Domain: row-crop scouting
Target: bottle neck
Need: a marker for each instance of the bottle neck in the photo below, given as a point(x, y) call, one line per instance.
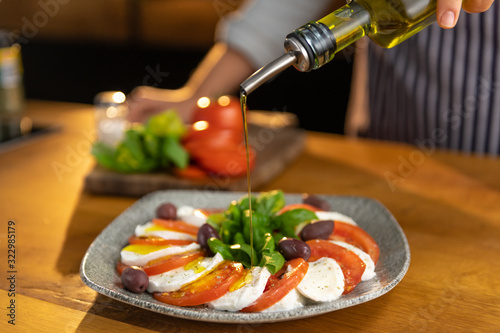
point(316, 43)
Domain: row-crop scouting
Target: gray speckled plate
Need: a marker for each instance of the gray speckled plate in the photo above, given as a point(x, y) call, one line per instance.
point(98, 265)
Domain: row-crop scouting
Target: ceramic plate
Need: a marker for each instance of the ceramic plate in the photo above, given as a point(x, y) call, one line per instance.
point(98, 266)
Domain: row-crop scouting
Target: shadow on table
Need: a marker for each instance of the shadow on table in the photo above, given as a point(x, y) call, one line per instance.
point(92, 214)
point(105, 309)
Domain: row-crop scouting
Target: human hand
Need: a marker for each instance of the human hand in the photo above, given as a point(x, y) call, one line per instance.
point(143, 102)
point(447, 11)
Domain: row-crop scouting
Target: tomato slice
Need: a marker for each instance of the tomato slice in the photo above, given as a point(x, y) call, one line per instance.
point(208, 211)
point(356, 236)
point(192, 172)
point(164, 264)
point(152, 240)
point(280, 288)
point(352, 266)
point(297, 206)
point(168, 263)
point(120, 267)
point(206, 289)
point(177, 225)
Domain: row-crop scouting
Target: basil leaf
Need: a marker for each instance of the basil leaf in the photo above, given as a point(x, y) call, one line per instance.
point(133, 142)
point(167, 123)
point(217, 246)
point(243, 203)
point(152, 144)
point(233, 212)
point(260, 224)
point(173, 151)
point(238, 238)
point(243, 253)
point(269, 244)
point(104, 154)
point(277, 236)
point(228, 229)
point(274, 261)
point(288, 221)
point(269, 203)
point(128, 159)
point(215, 220)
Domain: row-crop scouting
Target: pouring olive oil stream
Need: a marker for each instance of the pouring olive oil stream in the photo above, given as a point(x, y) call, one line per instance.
point(386, 22)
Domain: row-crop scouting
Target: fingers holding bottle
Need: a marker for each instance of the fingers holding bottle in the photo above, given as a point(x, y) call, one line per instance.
point(448, 11)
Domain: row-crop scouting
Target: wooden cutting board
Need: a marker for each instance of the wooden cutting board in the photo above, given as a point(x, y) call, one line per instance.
point(276, 145)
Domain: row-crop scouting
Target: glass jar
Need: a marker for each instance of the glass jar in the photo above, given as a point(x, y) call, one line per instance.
point(110, 113)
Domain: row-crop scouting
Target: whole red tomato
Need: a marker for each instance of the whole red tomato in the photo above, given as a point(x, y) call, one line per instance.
point(211, 138)
point(225, 161)
point(224, 112)
point(215, 139)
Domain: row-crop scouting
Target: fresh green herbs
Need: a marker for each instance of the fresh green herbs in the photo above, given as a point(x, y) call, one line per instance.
point(144, 148)
point(268, 229)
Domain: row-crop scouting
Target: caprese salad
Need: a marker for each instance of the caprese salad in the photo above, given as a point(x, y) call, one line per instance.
point(302, 253)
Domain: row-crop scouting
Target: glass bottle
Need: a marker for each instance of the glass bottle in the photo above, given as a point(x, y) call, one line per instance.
point(386, 22)
point(11, 87)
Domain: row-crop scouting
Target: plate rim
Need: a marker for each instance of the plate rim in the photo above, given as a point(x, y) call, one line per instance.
point(201, 314)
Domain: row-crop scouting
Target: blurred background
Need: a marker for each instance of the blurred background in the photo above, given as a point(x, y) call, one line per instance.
point(74, 49)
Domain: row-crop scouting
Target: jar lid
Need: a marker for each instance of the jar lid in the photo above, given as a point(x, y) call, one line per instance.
point(109, 98)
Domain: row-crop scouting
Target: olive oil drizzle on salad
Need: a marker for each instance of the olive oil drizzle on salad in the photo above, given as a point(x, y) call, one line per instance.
point(244, 108)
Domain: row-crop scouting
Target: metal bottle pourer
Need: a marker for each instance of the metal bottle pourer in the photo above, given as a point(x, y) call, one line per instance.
point(267, 72)
point(307, 48)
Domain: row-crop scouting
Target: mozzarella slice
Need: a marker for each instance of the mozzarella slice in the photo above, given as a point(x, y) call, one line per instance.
point(130, 255)
point(293, 300)
point(191, 215)
point(151, 229)
point(246, 295)
point(323, 282)
point(335, 216)
point(173, 280)
point(369, 272)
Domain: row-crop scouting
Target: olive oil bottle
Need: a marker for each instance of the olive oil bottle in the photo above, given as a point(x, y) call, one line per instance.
point(386, 22)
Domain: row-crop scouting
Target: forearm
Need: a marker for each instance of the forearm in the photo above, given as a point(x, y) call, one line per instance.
point(220, 72)
point(357, 115)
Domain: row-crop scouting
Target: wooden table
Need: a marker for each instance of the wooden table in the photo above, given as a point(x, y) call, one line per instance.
point(447, 204)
